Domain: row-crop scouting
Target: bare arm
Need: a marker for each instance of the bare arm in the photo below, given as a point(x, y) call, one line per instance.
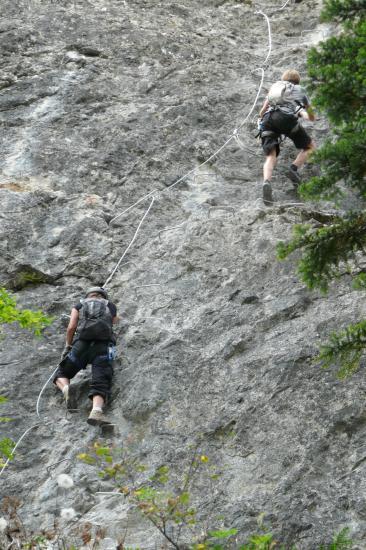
point(264, 108)
point(115, 319)
point(72, 326)
point(310, 113)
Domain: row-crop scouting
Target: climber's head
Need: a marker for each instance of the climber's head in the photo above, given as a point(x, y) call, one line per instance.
point(96, 292)
point(291, 76)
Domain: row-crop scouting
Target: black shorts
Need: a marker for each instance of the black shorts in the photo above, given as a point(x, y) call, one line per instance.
point(281, 124)
point(96, 354)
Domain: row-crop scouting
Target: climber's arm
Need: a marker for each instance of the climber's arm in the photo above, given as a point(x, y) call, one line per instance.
point(264, 108)
point(72, 326)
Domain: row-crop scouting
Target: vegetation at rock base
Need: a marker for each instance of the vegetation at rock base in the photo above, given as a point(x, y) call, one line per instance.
point(6, 444)
point(338, 82)
point(35, 321)
point(177, 504)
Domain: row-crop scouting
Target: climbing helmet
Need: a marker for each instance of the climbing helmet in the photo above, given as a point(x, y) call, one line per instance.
point(98, 289)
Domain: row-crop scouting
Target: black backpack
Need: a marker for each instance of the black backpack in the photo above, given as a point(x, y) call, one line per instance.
point(95, 320)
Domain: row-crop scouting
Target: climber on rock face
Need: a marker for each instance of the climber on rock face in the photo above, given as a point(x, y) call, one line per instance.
point(90, 339)
point(285, 104)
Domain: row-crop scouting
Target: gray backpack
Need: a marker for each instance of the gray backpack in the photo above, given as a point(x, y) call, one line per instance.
point(95, 320)
point(280, 93)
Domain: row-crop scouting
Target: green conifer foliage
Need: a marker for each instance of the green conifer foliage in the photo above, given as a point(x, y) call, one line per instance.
point(337, 68)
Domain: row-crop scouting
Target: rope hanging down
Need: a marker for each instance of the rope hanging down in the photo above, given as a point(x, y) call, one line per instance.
point(234, 135)
point(42, 390)
point(129, 246)
point(19, 441)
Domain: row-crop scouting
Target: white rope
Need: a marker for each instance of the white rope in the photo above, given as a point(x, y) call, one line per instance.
point(42, 390)
point(203, 163)
point(105, 285)
point(285, 4)
point(17, 444)
point(132, 205)
point(129, 246)
point(256, 98)
point(233, 136)
point(269, 34)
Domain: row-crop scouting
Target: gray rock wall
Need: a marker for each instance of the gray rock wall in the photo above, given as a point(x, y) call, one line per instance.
point(102, 102)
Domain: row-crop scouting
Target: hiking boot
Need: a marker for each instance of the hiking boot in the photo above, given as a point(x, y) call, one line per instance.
point(267, 193)
point(294, 176)
point(97, 418)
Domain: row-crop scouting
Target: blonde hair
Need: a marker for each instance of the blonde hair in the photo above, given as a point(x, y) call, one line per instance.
point(292, 76)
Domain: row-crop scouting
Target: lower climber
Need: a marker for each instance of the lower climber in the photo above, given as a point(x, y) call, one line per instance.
point(90, 339)
point(280, 115)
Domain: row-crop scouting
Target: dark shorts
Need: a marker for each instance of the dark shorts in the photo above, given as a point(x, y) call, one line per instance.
point(96, 354)
point(282, 124)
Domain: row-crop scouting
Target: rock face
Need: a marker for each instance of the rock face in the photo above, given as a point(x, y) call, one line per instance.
point(101, 103)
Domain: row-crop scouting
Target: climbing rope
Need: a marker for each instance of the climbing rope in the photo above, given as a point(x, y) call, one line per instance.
point(19, 441)
point(104, 286)
point(42, 390)
point(260, 12)
point(233, 136)
point(211, 157)
point(131, 243)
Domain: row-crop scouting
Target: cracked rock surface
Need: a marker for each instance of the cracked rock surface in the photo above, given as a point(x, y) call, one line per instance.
point(101, 103)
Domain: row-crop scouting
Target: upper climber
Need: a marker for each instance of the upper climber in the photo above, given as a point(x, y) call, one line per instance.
point(285, 104)
point(91, 323)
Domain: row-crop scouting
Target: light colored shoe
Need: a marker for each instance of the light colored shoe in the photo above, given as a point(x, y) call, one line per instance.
point(267, 193)
point(97, 418)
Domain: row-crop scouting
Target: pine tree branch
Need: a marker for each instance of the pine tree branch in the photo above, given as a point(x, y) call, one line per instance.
point(325, 248)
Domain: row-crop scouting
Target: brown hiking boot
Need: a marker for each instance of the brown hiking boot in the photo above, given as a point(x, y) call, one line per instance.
point(97, 418)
